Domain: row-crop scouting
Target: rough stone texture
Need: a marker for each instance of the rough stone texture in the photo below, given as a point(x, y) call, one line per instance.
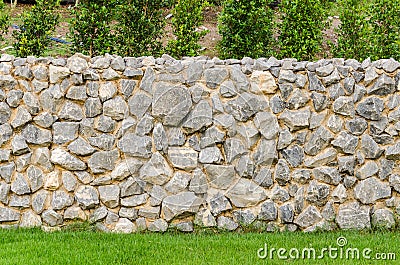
point(353, 216)
point(135, 144)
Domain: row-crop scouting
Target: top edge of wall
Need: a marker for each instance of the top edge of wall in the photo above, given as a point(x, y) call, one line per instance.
point(257, 64)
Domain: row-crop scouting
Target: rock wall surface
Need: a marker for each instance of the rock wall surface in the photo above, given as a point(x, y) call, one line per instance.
point(142, 143)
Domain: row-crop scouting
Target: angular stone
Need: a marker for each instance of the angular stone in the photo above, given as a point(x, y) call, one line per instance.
point(66, 160)
point(267, 124)
point(21, 117)
point(139, 104)
point(301, 176)
point(265, 153)
point(52, 218)
point(57, 74)
point(159, 225)
point(383, 218)
point(319, 139)
point(345, 143)
point(71, 112)
point(181, 203)
point(385, 85)
point(61, 200)
point(286, 213)
point(308, 217)
point(282, 172)
point(370, 148)
point(317, 193)
point(280, 195)
point(134, 145)
point(39, 201)
point(393, 152)
point(294, 155)
point(371, 189)
point(64, 132)
point(103, 161)
point(204, 218)
point(344, 106)
point(246, 193)
point(19, 145)
point(371, 108)
point(220, 177)
point(178, 182)
point(328, 175)
point(171, 104)
point(183, 157)
point(296, 120)
point(81, 147)
point(218, 203)
point(87, 196)
point(199, 118)
point(145, 125)
point(215, 76)
point(356, 126)
point(29, 219)
point(353, 216)
point(156, 170)
point(20, 185)
point(245, 106)
point(339, 194)
point(109, 195)
point(198, 183)
point(369, 169)
point(324, 158)
point(262, 82)
point(116, 108)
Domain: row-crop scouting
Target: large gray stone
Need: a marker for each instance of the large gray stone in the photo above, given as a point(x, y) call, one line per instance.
point(371, 189)
point(296, 120)
point(61, 200)
point(8, 215)
point(308, 217)
point(319, 139)
point(103, 161)
point(383, 218)
point(20, 185)
point(371, 108)
point(385, 85)
point(183, 157)
point(200, 117)
point(353, 216)
point(171, 103)
point(87, 196)
point(219, 176)
point(64, 132)
point(246, 193)
point(267, 124)
point(134, 145)
point(36, 135)
point(116, 108)
point(328, 175)
point(66, 160)
point(109, 195)
point(345, 143)
point(156, 170)
point(179, 204)
point(370, 148)
point(52, 218)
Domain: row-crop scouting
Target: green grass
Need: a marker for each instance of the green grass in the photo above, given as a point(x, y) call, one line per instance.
point(85, 247)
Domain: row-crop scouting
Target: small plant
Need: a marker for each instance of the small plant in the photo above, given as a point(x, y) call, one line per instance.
point(37, 25)
point(187, 17)
point(385, 29)
point(91, 30)
point(302, 22)
point(140, 27)
point(246, 29)
point(4, 18)
point(352, 32)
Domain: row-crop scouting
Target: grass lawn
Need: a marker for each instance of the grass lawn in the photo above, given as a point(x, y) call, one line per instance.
point(84, 247)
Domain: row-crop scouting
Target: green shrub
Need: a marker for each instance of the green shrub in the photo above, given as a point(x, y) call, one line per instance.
point(385, 29)
point(352, 33)
point(302, 22)
point(140, 27)
point(4, 20)
point(246, 29)
point(91, 30)
point(187, 16)
point(37, 25)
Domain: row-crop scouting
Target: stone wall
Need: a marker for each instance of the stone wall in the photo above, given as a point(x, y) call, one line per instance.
point(142, 143)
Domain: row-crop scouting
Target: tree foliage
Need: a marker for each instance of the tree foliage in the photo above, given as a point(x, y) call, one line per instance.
point(37, 25)
point(246, 29)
